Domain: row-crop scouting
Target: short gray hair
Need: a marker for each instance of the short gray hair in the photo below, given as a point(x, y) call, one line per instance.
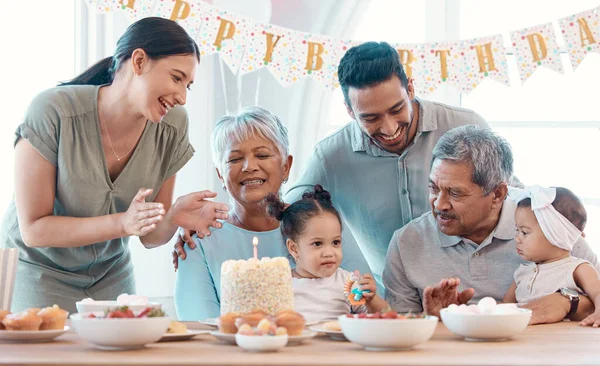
point(488, 153)
point(249, 123)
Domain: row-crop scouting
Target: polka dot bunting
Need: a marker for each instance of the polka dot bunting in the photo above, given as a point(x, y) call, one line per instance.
point(534, 47)
point(586, 24)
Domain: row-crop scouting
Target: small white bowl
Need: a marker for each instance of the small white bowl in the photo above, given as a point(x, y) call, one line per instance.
point(256, 343)
point(92, 307)
point(388, 334)
point(486, 327)
point(120, 333)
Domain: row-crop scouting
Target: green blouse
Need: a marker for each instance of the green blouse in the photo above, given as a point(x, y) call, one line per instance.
point(62, 124)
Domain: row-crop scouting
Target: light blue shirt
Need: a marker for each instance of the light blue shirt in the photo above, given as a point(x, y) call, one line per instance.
point(198, 280)
point(375, 191)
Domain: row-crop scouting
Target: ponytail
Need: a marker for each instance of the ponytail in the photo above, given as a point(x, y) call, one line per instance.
point(294, 217)
point(100, 73)
point(158, 37)
point(275, 206)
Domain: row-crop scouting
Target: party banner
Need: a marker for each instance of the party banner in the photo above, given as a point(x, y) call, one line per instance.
point(482, 58)
point(314, 57)
point(535, 47)
point(269, 46)
point(189, 14)
point(225, 33)
point(246, 46)
point(582, 34)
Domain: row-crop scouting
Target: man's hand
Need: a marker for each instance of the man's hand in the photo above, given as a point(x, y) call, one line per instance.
point(549, 309)
point(184, 237)
point(443, 294)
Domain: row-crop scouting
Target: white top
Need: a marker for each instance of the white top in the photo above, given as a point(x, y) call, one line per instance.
point(535, 281)
point(319, 299)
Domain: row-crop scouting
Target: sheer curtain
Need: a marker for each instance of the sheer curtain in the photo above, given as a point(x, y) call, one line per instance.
point(218, 91)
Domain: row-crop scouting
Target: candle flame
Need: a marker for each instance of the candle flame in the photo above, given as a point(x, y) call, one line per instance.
point(255, 241)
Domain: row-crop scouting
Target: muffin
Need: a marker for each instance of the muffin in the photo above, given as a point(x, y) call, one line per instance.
point(22, 321)
point(3, 313)
point(33, 310)
point(333, 325)
point(177, 327)
point(226, 323)
point(254, 317)
point(53, 318)
point(292, 321)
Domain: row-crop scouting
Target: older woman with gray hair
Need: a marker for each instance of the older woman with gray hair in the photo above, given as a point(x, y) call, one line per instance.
point(464, 249)
point(251, 154)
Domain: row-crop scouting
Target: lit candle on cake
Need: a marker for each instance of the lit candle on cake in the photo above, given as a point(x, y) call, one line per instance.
point(255, 245)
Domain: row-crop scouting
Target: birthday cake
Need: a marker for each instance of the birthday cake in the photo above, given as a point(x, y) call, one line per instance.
point(248, 285)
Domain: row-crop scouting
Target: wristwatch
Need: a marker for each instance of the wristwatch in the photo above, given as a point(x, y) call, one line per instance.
point(573, 297)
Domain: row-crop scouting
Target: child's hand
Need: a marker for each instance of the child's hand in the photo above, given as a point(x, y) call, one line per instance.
point(367, 282)
point(593, 320)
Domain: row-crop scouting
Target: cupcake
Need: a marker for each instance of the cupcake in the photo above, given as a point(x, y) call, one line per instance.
point(53, 318)
point(226, 323)
point(3, 313)
point(22, 321)
point(254, 317)
point(292, 321)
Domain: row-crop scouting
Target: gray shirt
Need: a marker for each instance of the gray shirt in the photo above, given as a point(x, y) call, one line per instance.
point(420, 255)
point(62, 125)
point(375, 191)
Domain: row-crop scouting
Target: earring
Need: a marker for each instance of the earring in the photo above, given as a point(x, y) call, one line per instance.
point(224, 188)
point(285, 180)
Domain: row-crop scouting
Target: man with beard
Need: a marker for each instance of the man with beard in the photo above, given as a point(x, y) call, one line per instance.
point(465, 244)
point(376, 167)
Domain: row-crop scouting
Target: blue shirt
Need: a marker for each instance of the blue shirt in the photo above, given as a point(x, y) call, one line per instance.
point(375, 191)
point(198, 280)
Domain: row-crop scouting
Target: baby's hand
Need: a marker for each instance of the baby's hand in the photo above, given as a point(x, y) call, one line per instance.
point(367, 282)
point(593, 320)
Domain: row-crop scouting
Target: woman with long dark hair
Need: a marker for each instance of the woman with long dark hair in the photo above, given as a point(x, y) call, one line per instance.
point(96, 160)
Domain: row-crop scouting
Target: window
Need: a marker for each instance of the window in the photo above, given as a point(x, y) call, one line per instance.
point(37, 53)
point(552, 120)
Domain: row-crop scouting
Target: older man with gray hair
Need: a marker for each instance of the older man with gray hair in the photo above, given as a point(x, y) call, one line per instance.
point(465, 245)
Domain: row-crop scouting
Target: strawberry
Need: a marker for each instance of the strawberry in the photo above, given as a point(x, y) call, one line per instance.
point(143, 313)
point(389, 315)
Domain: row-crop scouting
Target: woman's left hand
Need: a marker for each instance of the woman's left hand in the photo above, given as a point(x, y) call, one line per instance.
point(194, 212)
point(367, 282)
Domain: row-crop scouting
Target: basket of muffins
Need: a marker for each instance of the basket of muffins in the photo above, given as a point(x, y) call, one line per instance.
point(34, 319)
point(258, 331)
point(291, 321)
point(33, 324)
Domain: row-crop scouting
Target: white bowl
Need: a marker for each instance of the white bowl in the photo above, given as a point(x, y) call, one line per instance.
point(92, 307)
point(120, 333)
point(388, 334)
point(256, 343)
point(486, 327)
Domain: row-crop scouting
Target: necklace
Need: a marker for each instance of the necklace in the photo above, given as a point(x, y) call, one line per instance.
point(111, 144)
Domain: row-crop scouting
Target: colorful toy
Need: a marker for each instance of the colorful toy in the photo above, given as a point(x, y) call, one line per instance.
point(353, 291)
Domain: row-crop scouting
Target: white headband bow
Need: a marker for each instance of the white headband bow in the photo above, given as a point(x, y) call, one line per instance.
point(558, 230)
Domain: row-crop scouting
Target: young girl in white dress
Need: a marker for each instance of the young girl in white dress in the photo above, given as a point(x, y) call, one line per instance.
point(549, 221)
point(313, 231)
